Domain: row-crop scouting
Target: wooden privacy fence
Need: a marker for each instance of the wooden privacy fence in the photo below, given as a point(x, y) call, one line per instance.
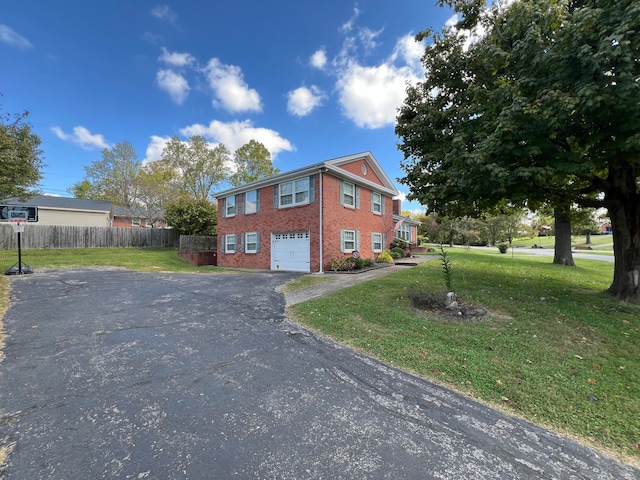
point(58, 236)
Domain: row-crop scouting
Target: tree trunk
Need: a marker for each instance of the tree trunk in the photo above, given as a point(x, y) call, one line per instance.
point(588, 239)
point(623, 203)
point(562, 253)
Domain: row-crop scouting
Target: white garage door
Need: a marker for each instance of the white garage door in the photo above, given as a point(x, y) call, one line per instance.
point(290, 251)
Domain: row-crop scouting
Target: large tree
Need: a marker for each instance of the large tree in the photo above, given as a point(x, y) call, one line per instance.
point(21, 161)
point(200, 167)
point(112, 178)
point(157, 187)
point(252, 162)
point(542, 106)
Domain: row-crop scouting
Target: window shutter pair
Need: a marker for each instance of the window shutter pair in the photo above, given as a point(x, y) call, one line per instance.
point(381, 203)
point(244, 202)
point(356, 194)
point(242, 240)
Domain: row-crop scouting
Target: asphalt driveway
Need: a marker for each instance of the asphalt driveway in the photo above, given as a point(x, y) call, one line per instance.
point(120, 374)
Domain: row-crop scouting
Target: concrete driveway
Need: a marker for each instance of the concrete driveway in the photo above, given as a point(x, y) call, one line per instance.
point(119, 374)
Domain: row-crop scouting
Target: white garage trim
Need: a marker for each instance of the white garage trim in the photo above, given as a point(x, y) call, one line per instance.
point(291, 251)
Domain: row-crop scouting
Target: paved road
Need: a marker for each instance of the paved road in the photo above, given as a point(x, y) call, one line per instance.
point(119, 374)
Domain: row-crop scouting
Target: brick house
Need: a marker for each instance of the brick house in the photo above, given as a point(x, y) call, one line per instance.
point(302, 219)
point(134, 217)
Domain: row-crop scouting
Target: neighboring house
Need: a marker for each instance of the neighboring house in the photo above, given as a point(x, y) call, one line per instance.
point(133, 217)
point(68, 211)
point(303, 219)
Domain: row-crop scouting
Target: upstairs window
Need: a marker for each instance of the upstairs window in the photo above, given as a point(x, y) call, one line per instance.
point(251, 200)
point(376, 203)
point(349, 194)
point(230, 206)
point(295, 192)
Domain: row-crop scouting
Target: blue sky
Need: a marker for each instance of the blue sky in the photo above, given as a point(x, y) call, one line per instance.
point(311, 82)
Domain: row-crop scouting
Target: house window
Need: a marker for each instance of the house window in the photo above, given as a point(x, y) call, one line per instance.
point(136, 222)
point(376, 202)
point(349, 240)
point(251, 202)
point(377, 242)
point(251, 242)
point(348, 194)
point(230, 206)
point(404, 232)
point(230, 243)
point(295, 192)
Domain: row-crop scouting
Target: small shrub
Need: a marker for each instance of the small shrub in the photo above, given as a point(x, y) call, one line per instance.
point(385, 257)
point(503, 247)
point(425, 300)
point(446, 267)
point(367, 262)
point(397, 252)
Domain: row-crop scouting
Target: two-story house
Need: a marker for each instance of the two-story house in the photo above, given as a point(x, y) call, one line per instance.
point(303, 219)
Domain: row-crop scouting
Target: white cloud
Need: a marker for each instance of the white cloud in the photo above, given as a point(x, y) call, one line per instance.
point(10, 36)
point(303, 100)
point(236, 134)
point(368, 38)
point(230, 89)
point(452, 21)
point(401, 196)
point(348, 26)
point(155, 147)
point(82, 137)
point(409, 51)
point(174, 84)
point(318, 59)
point(369, 96)
point(176, 59)
point(164, 12)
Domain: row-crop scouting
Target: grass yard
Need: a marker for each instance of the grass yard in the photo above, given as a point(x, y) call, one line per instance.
point(142, 259)
point(558, 350)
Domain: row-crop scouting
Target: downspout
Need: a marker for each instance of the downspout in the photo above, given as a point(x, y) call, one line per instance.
point(320, 199)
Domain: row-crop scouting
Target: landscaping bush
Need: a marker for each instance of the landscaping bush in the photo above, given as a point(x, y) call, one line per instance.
point(385, 257)
point(503, 247)
point(397, 252)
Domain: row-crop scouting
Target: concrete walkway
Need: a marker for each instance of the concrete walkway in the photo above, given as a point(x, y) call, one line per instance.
point(338, 281)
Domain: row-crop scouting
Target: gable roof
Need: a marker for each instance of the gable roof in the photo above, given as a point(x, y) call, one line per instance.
point(130, 212)
point(49, 201)
point(332, 166)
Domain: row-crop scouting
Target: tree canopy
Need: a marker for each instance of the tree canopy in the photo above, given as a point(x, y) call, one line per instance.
point(542, 106)
point(252, 162)
point(200, 167)
point(112, 178)
point(21, 161)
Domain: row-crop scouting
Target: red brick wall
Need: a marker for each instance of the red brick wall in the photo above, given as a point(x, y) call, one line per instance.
point(306, 217)
point(355, 167)
point(337, 217)
point(267, 221)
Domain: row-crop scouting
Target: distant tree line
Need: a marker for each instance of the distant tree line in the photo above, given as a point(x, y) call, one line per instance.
point(178, 187)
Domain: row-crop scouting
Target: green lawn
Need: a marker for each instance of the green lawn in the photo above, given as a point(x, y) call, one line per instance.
point(558, 350)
